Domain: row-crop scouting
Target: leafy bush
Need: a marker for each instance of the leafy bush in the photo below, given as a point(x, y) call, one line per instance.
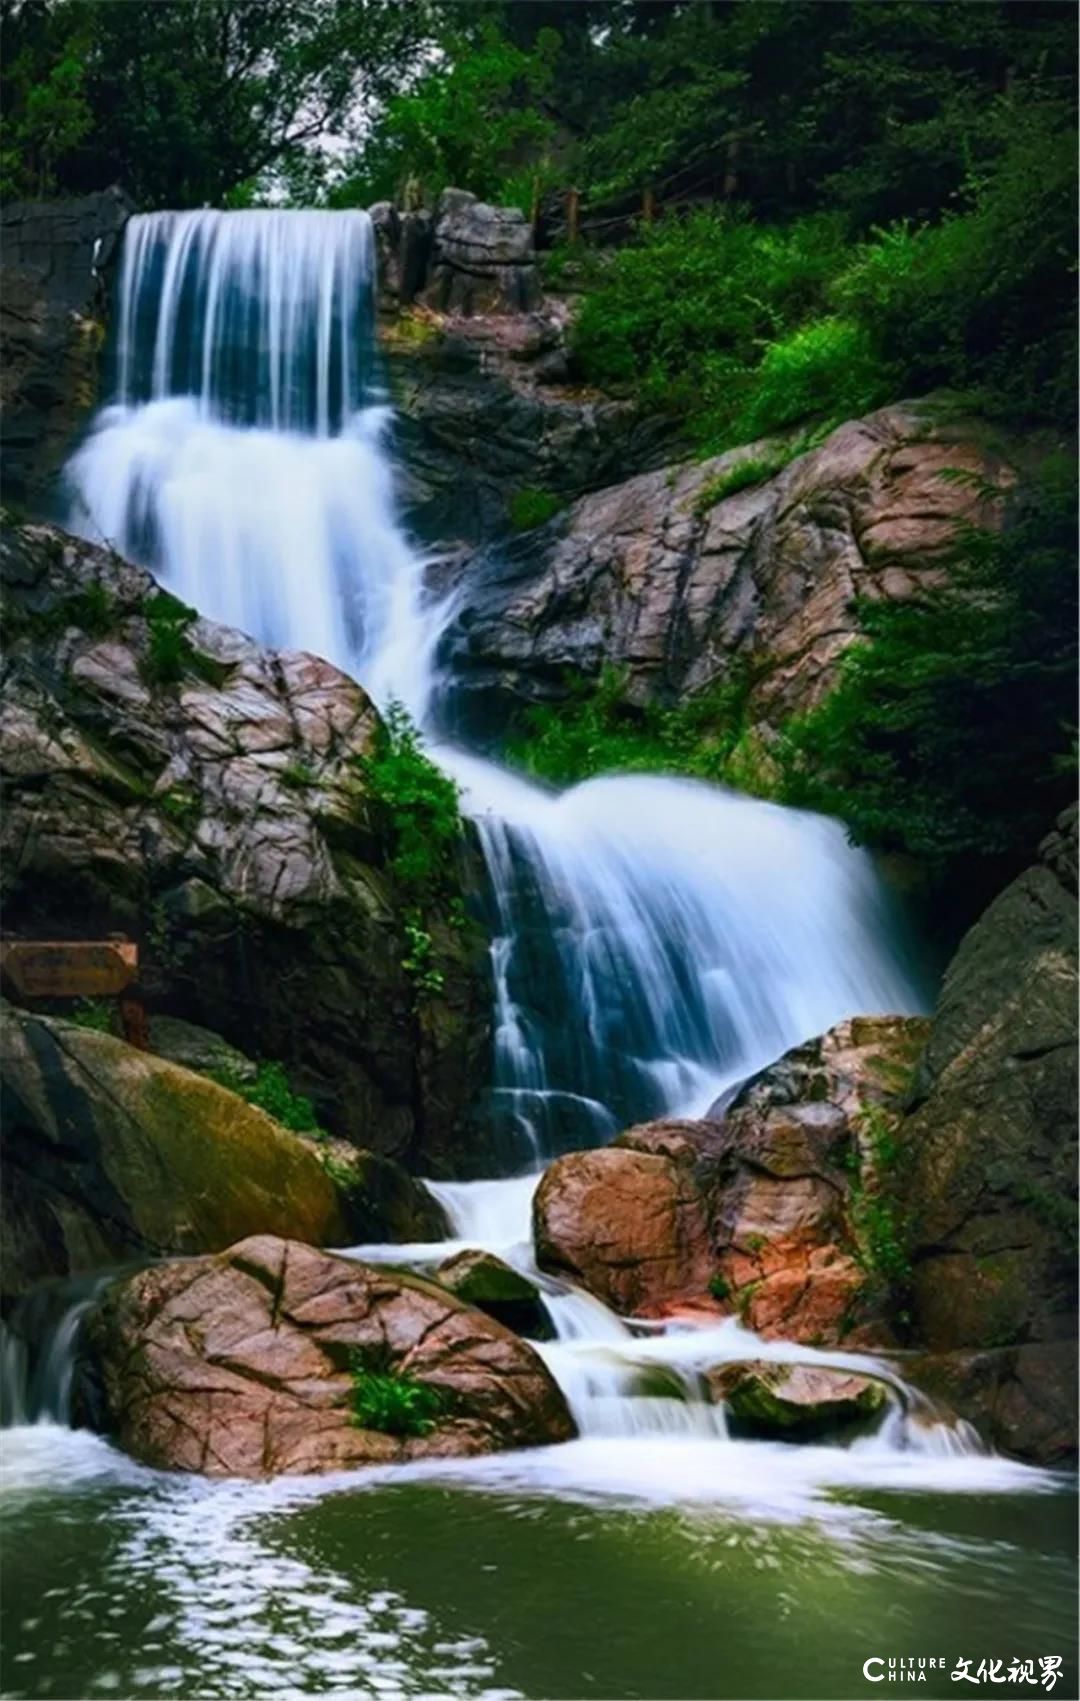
point(596, 729)
point(394, 1402)
point(827, 367)
point(270, 1091)
point(170, 653)
point(529, 508)
point(418, 806)
point(95, 1014)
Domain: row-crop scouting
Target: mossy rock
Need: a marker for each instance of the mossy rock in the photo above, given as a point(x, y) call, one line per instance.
point(794, 1401)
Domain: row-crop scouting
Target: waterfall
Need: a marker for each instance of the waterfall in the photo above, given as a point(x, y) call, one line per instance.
point(655, 940)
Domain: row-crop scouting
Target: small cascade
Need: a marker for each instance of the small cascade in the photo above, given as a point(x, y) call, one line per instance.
point(659, 941)
point(38, 1352)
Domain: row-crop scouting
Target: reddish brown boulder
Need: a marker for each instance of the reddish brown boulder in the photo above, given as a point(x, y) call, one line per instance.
point(799, 1250)
point(631, 1226)
point(243, 1364)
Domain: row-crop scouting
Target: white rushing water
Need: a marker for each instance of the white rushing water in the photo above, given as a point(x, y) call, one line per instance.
point(656, 940)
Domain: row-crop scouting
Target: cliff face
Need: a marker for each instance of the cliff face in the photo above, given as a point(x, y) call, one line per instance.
point(216, 810)
point(655, 578)
point(58, 258)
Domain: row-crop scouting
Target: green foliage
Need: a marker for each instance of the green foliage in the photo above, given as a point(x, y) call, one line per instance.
point(270, 1091)
point(719, 1287)
point(529, 507)
point(950, 731)
point(394, 1402)
point(466, 121)
point(875, 1217)
point(417, 805)
point(185, 102)
point(597, 729)
point(684, 314)
point(169, 653)
point(181, 804)
point(95, 1014)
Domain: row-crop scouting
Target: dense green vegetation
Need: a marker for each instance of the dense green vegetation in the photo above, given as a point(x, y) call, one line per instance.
point(417, 805)
point(393, 1401)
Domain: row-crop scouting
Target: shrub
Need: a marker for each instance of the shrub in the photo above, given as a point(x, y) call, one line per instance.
point(270, 1091)
point(418, 807)
point(596, 729)
point(418, 804)
point(95, 1014)
point(393, 1402)
point(827, 367)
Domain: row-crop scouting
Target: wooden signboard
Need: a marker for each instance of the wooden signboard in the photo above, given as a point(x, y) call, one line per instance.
point(79, 969)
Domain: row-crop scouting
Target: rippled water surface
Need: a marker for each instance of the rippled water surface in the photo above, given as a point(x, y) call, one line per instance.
point(740, 1572)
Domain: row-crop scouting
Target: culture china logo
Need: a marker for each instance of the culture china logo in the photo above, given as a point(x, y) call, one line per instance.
point(1042, 1672)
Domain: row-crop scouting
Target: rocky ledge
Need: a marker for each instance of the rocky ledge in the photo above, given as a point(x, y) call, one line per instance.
point(253, 1363)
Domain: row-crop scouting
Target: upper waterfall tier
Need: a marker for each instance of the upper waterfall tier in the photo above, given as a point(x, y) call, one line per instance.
point(264, 316)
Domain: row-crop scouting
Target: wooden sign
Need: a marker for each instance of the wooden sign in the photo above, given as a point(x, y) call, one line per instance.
point(79, 969)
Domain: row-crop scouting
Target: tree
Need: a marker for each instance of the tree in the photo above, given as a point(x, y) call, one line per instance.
point(184, 101)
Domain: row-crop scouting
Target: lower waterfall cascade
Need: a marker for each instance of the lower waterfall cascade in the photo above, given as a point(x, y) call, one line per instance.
point(686, 936)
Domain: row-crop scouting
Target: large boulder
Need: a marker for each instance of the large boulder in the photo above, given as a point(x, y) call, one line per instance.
point(112, 1154)
point(808, 1240)
point(1020, 1399)
point(654, 577)
point(778, 1212)
point(629, 1225)
point(483, 260)
point(246, 1364)
point(57, 260)
point(222, 820)
point(991, 1188)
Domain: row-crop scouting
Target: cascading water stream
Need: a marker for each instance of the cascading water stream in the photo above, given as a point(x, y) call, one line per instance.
point(656, 940)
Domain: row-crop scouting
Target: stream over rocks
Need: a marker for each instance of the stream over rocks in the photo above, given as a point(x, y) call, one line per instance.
point(655, 943)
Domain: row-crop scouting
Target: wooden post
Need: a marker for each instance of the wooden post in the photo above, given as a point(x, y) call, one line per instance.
point(573, 214)
point(648, 204)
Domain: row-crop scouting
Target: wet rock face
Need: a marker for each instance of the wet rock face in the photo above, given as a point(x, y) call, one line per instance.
point(221, 820)
point(481, 1279)
point(646, 577)
point(1020, 1399)
point(630, 1226)
point(242, 1365)
point(800, 1250)
point(991, 1192)
point(793, 1402)
point(57, 258)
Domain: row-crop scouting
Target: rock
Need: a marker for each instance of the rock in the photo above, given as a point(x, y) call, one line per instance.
point(631, 1226)
point(483, 259)
point(991, 1189)
point(793, 1401)
point(481, 1279)
point(112, 1154)
point(1021, 1399)
point(241, 1365)
point(57, 261)
point(199, 1049)
point(646, 577)
point(796, 1250)
point(223, 823)
point(484, 411)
